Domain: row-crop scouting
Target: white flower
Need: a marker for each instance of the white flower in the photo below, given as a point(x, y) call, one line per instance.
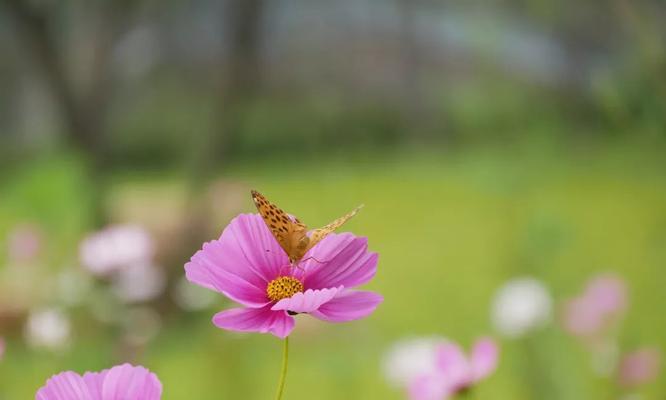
point(409, 359)
point(520, 306)
point(116, 247)
point(139, 282)
point(48, 328)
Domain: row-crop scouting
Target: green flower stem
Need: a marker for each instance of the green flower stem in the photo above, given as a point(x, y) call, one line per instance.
point(283, 372)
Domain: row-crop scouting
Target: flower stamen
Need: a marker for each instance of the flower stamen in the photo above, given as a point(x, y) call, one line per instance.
point(283, 288)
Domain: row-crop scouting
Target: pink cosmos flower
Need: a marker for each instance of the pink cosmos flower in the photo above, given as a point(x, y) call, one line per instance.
point(122, 382)
point(116, 247)
point(602, 302)
point(25, 243)
point(2, 347)
point(455, 372)
point(639, 367)
point(247, 265)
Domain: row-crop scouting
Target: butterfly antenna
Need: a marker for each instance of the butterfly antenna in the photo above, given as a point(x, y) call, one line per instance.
point(312, 258)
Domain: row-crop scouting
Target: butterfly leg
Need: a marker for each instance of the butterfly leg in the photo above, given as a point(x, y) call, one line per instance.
point(306, 259)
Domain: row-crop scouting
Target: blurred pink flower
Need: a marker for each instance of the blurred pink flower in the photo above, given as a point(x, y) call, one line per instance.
point(608, 292)
point(248, 265)
point(24, 242)
point(639, 367)
point(122, 382)
point(139, 282)
point(2, 347)
point(116, 247)
point(603, 301)
point(455, 372)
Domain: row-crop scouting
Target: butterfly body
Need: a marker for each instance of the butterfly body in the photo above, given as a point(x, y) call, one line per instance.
point(292, 234)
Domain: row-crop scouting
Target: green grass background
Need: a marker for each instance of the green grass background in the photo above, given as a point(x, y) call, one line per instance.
point(450, 227)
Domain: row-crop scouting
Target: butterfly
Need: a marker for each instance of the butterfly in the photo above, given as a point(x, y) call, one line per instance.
point(292, 234)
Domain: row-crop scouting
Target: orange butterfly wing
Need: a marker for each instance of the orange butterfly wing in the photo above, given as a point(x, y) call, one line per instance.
point(290, 233)
point(318, 234)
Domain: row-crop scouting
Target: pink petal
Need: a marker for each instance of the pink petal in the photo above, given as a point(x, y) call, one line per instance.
point(639, 367)
point(483, 359)
point(339, 260)
point(257, 246)
point(607, 293)
point(306, 302)
point(240, 263)
point(348, 306)
point(582, 317)
point(95, 383)
point(262, 320)
point(126, 382)
point(64, 386)
point(427, 387)
point(453, 366)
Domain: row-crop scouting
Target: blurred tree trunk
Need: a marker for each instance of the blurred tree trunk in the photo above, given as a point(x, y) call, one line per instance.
point(239, 84)
point(414, 105)
point(33, 25)
point(647, 34)
point(410, 60)
point(83, 111)
point(245, 21)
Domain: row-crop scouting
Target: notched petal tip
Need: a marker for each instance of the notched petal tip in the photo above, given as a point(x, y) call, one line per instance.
point(260, 320)
point(484, 358)
point(308, 301)
point(349, 305)
point(127, 381)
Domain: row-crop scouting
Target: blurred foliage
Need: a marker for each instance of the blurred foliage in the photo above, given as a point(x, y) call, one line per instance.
point(487, 140)
point(450, 227)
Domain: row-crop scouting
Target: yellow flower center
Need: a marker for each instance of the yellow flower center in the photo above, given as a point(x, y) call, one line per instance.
point(283, 287)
